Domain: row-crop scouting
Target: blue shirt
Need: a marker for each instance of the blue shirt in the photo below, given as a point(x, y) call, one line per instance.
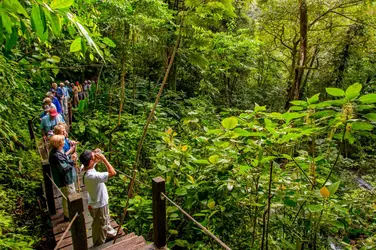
point(47, 124)
point(59, 93)
point(66, 145)
point(57, 104)
point(65, 91)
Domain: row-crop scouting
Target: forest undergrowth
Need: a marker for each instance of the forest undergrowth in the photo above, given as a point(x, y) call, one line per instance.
point(218, 164)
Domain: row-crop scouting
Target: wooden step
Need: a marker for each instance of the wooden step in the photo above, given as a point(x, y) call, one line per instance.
point(134, 242)
point(119, 239)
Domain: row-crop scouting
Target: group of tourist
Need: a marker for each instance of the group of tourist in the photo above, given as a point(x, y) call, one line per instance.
point(55, 103)
point(63, 160)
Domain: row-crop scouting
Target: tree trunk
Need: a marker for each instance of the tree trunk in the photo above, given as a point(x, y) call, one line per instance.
point(303, 90)
point(299, 70)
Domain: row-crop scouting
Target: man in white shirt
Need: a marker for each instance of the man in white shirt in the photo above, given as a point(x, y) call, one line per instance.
point(98, 195)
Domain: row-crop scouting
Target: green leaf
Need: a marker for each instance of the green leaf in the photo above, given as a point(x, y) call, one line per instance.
point(54, 59)
point(230, 122)
point(94, 130)
point(259, 108)
point(91, 57)
point(211, 204)
point(7, 24)
point(335, 92)
point(201, 161)
point(315, 208)
point(109, 42)
point(181, 243)
point(299, 103)
point(244, 168)
point(82, 105)
point(181, 191)
point(353, 91)
point(361, 126)
point(15, 6)
point(334, 187)
point(162, 167)
point(370, 98)
point(242, 132)
point(338, 224)
point(61, 4)
point(214, 131)
point(76, 45)
point(290, 116)
point(37, 21)
point(54, 21)
point(314, 99)
point(214, 159)
point(172, 231)
point(296, 108)
point(12, 40)
point(371, 116)
point(1, 32)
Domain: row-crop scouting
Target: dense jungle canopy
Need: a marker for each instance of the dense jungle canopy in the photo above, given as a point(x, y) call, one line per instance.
point(264, 130)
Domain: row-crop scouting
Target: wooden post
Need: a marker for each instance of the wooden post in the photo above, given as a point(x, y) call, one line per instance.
point(78, 229)
point(48, 186)
point(70, 113)
point(159, 212)
point(31, 131)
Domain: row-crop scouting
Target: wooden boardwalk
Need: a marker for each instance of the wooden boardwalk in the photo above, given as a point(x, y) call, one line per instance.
point(59, 225)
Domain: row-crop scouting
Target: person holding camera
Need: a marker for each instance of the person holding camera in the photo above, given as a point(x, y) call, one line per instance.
point(98, 195)
point(62, 169)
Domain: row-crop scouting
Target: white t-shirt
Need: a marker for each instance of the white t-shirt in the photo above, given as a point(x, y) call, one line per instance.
point(97, 190)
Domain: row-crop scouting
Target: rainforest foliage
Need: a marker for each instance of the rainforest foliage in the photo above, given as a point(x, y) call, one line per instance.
point(265, 131)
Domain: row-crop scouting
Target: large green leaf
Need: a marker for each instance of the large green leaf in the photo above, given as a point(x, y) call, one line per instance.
point(361, 126)
point(15, 7)
point(333, 188)
point(76, 45)
point(314, 99)
point(299, 103)
point(353, 91)
point(315, 208)
point(241, 132)
point(335, 92)
point(7, 24)
point(370, 98)
point(1, 32)
point(12, 40)
point(82, 105)
point(181, 191)
point(61, 4)
point(259, 108)
point(201, 161)
point(54, 21)
point(37, 21)
point(371, 116)
point(230, 122)
point(109, 42)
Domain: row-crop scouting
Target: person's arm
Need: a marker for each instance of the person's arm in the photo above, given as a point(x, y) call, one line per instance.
point(65, 165)
point(111, 171)
point(71, 150)
point(43, 132)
